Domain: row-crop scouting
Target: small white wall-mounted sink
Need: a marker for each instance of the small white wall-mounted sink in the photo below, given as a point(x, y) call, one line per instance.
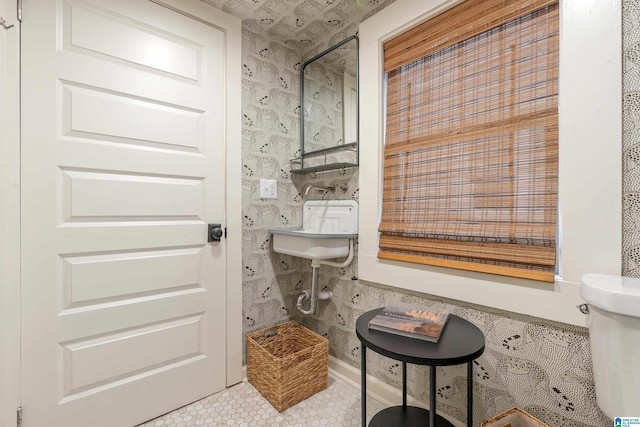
point(327, 227)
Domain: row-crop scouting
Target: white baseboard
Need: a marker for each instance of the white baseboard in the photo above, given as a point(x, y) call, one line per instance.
point(377, 389)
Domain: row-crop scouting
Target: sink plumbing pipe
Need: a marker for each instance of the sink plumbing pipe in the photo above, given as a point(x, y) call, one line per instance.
point(322, 295)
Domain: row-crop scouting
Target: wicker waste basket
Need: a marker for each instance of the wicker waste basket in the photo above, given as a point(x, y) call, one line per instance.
point(514, 417)
point(287, 363)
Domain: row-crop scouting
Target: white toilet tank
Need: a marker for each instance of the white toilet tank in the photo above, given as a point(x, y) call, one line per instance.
point(614, 335)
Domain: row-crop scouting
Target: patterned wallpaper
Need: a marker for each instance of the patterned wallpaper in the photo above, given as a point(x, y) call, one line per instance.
point(273, 50)
point(541, 366)
point(631, 139)
point(309, 26)
point(270, 104)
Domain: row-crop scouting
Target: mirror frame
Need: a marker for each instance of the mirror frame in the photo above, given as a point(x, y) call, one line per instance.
point(351, 145)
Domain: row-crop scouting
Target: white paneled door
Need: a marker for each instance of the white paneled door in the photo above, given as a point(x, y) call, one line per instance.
point(123, 145)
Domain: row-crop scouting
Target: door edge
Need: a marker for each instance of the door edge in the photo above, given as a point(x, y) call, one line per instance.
point(10, 216)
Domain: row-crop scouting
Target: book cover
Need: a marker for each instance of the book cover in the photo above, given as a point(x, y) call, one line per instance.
point(411, 322)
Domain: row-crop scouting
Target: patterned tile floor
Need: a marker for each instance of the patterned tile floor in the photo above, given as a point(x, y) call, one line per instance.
point(243, 406)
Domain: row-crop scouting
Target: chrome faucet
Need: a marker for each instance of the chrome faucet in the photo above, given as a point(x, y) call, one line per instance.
point(309, 187)
point(328, 189)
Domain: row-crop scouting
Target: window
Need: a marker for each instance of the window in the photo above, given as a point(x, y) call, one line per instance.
point(471, 145)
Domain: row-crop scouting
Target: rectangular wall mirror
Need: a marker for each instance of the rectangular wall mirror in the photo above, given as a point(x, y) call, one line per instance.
point(329, 119)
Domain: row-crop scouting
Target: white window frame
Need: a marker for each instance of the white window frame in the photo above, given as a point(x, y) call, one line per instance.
point(590, 165)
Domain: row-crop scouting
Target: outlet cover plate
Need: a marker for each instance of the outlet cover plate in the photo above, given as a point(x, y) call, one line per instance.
point(268, 189)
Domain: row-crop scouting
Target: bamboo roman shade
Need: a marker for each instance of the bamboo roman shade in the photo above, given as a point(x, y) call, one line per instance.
point(471, 153)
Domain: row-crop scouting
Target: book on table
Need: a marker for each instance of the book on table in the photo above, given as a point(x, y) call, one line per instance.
point(411, 322)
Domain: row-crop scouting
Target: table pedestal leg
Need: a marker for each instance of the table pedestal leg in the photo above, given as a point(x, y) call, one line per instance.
point(363, 381)
point(432, 396)
point(404, 383)
point(470, 394)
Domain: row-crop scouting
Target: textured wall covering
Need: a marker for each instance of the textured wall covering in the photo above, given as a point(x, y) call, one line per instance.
point(270, 104)
point(309, 26)
point(631, 139)
point(277, 36)
point(541, 366)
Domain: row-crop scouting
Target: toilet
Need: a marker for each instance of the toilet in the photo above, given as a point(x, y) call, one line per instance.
point(614, 335)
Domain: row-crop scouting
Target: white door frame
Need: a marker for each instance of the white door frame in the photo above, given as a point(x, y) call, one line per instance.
point(9, 215)
point(10, 200)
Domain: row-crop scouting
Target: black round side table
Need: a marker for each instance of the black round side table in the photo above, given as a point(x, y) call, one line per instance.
point(461, 342)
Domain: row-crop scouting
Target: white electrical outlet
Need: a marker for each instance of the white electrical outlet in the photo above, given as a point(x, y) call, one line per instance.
point(268, 189)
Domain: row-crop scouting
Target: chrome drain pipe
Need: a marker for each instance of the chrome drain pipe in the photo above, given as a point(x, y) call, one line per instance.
point(322, 295)
point(313, 301)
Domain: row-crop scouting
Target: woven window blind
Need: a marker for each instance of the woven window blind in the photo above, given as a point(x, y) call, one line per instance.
point(471, 153)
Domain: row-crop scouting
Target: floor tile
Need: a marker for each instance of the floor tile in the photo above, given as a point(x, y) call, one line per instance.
point(243, 406)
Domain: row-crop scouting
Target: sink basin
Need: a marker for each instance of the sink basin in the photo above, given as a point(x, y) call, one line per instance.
point(327, 227)
point(298, 242)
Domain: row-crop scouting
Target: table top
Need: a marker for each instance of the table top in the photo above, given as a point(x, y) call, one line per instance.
point(460, 342)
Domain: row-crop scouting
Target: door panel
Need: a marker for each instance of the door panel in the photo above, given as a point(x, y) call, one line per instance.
point(123, 299)
point(90, 195)
point(96, 279)
point(103, 32)
point(85, 357)
point(92, 113)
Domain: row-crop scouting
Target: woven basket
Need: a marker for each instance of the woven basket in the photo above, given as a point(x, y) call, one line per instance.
point(514, 417)
point(287, 363)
